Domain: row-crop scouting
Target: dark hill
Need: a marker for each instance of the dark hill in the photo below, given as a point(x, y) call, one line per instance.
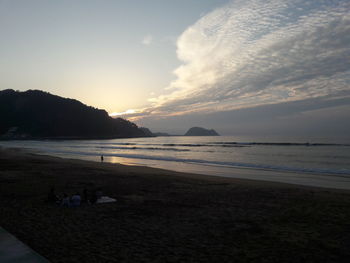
point(38, 114)
point(198, 131)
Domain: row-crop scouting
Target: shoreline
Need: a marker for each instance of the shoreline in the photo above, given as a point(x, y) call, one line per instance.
point(165, 216)
point(308, 179)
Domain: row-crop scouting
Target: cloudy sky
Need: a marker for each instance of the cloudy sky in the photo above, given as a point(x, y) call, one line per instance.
point(241, 67)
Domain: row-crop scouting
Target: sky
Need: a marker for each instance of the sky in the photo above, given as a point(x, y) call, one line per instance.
point(240, 67)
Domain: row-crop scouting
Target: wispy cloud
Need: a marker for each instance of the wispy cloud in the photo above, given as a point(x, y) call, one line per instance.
point(251, 53)
point(147, 40)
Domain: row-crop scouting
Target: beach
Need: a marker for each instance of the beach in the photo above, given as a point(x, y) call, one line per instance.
point(167, 216)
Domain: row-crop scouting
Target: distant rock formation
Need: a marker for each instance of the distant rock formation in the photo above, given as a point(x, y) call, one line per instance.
point(38, 114)
point(198, 131)
point(147, 132)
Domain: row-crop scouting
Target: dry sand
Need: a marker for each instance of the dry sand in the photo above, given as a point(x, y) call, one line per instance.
point(164, 216)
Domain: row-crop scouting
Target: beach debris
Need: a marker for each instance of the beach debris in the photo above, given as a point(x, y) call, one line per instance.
point(105, 199)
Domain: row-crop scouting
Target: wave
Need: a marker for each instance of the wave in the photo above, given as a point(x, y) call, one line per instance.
point(200, 145)
point(112, 143)
point(128, 148)
point(247, 144)
point(163, 147)
point(227, 144)
point(142, 148)
point(214, 163)
point(280, 143)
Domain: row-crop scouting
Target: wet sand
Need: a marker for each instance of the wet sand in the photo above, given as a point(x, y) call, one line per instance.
point(164, 216)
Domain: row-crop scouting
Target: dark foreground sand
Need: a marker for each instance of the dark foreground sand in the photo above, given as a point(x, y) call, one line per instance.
point(164, 216)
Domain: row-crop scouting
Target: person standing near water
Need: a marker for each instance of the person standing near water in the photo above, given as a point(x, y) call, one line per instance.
point(101, 158)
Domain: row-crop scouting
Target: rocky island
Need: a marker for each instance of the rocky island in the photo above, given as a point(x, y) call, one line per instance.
point(198, 131)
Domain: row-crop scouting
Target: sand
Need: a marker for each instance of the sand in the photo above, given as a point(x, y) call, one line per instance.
point(164, 216)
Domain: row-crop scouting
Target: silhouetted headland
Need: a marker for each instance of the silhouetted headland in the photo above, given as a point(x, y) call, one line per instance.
point(36, 114)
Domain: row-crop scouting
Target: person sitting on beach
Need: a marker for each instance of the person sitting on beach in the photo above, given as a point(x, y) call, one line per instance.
point(76, 199)
point(85, 196)
point(52, 197)
point(65, 201)
point(93, 199)
point(98, 193)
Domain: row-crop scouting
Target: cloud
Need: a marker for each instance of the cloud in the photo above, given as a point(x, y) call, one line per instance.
point(147, 40)
point(251, 53)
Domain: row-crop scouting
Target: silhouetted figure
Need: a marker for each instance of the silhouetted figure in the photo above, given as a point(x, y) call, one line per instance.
point(101, 158)
point(85, 195)
point(93, 199)
point(98, 193)
point(65, 201)
point(76, 200)
point(52, 197)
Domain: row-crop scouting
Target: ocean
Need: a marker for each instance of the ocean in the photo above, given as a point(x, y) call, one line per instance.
point(207, 155)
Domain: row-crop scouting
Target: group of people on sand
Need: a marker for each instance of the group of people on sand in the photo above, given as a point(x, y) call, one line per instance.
point(75, 200)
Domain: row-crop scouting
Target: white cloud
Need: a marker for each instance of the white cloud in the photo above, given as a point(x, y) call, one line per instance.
point(251, 53)
point(147, 40)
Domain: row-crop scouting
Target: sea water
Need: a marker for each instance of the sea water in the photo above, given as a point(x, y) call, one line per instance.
point(216, 155)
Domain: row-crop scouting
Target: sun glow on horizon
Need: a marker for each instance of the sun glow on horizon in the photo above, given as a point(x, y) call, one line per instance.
point(127, 112)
